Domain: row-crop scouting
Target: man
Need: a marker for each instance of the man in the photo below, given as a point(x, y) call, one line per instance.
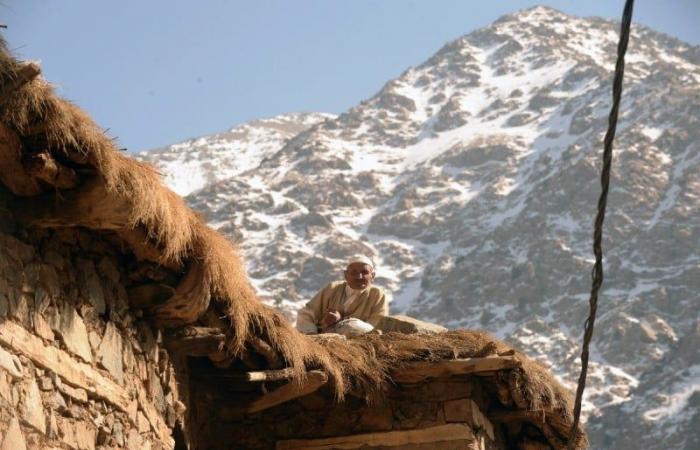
point(348, 307)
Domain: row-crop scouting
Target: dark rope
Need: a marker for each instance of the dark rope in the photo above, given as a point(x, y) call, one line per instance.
point(600, 217)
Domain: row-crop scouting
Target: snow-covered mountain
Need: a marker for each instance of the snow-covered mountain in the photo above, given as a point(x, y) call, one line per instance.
point(193, 164)
point(472, 180)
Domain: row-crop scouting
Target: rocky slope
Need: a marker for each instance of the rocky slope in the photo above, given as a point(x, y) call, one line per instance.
point(472, 180)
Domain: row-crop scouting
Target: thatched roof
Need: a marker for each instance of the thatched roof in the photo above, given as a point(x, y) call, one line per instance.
point(53, 153)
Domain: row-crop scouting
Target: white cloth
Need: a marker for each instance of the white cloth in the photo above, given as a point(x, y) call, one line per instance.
point(361, 259)
point(350, 296)
point(351, 327)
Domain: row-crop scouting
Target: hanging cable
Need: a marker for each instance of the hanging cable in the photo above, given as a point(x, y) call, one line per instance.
point(600, 217)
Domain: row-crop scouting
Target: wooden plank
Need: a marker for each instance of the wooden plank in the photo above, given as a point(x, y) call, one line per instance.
point(75, 373)
point(196, 341)
point(441, 433)
point(536, 416)
point(418, 371)
point(313, 381)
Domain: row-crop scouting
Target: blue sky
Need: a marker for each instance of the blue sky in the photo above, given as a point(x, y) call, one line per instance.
point(158, 72)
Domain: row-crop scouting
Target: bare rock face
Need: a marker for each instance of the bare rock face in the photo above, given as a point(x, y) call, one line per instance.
point(472, 180)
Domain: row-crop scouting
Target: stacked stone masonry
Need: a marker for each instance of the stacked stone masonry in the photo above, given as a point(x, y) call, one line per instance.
point(78, 369)
point(224, 424)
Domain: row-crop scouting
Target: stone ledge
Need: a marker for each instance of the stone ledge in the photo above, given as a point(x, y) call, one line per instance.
point(406, 324)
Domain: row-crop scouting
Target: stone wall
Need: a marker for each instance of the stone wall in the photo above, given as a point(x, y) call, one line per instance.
point(219, 413)
point(78, 368)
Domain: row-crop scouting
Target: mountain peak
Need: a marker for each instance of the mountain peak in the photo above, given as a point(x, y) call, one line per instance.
point(471, 180)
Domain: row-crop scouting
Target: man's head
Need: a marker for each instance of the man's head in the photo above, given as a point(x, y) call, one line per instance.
point(359, 272)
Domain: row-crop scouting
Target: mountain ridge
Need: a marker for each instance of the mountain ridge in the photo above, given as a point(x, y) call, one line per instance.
point(472, 180)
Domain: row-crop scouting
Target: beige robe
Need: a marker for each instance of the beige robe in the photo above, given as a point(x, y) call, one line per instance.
point(370, 306)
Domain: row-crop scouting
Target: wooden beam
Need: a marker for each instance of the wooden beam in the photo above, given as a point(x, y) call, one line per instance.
point(537, 416)
point(195, 341)
point(267, 375)
point(294, 389)
point(410, 372)
point(418, 371)
point(441, 433)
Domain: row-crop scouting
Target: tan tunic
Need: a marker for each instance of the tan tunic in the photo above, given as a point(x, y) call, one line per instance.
point(370, 306)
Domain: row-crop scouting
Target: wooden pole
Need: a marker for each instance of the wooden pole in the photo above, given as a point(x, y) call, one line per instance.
point(419, 371)
point(294, 389)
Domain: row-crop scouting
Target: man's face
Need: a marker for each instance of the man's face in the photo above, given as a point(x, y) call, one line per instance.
point(359, 275)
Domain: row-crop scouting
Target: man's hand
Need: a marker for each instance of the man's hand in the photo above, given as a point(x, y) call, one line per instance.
point(330, 318)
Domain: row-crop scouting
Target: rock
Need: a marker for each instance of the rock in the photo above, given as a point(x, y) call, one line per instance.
point(155, 391)
point(14, 439)
point(49, 280)
point(57, 402)
point(4, 302)
point(32, 409)
point(133, 410)
point(76, 394)
point(5, 388)
point(45, 383)
point(102, 435)
point(52, 428)
point(85, 436)
point(143, 424)
point(134, 440)
point(42, 327)
point(92, 286)
point(70, 326)
point(78, 435)
point(110, 352)
point(16, 249)
point(95, 340)
point(128, 358)
point(10, 363)
point(118, 435)
point(405, 324)
point(19, 307)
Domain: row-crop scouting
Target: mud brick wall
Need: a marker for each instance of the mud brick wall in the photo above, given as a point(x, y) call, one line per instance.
point(78, 368)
